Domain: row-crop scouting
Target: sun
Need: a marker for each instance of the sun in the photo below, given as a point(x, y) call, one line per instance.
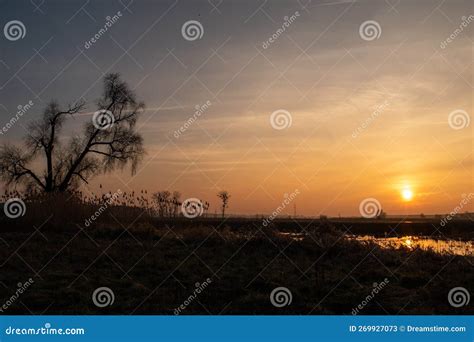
point(407, 194)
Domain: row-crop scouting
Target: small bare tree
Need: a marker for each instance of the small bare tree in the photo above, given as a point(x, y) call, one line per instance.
point(175, 203)
point(224, 196)
point(162, 200)
point(99, 149)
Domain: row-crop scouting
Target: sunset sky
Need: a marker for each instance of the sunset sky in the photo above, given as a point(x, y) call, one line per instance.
point(369, 118)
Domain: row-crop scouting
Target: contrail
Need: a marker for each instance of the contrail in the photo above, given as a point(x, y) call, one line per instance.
point(335, 3)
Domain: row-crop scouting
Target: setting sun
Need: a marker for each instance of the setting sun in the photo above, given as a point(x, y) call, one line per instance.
point(407, 194)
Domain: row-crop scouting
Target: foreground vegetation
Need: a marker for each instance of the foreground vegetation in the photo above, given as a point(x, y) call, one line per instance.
point(154, 268)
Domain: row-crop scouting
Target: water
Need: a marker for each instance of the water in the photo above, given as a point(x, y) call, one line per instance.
point(441, 246)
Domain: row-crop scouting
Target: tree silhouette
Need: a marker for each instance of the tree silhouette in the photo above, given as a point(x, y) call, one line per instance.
point(107, 142)
point(224, 196)
point(176, 203)
point(162, 200)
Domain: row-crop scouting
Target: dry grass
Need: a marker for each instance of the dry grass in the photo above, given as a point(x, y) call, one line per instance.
point(153, 270)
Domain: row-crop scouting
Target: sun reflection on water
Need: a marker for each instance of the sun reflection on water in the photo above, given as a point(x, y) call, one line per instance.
point(441, 246)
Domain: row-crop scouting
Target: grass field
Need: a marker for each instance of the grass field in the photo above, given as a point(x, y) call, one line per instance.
point(154, 267)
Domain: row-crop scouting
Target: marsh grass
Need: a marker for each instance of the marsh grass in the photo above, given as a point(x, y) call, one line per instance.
point(152, 267)
point(151, 271)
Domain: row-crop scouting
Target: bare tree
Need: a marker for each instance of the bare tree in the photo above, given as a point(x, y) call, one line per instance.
point(168, 205)
point(224, 196)
point(175, 203)
point(162, 199)
point(99, 148)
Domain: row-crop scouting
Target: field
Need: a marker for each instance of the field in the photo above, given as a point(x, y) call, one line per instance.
point(155, 266)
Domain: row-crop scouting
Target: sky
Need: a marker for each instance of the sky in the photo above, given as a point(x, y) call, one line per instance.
point(352, 100)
